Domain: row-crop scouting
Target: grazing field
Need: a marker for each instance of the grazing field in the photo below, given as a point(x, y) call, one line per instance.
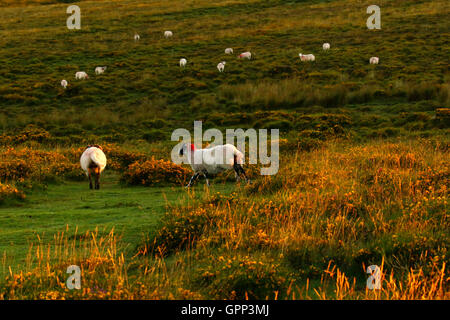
point(364, 171)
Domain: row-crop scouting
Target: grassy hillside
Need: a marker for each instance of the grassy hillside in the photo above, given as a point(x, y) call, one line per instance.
point(364, 150)
point(144, 94)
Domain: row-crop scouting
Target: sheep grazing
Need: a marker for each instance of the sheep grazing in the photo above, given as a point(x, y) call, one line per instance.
point(183, 62)
point(168, 34)
point(326, 46)
point(137, 37)
point(93, 162)
point(81, 75)
point(307, 57)
point(221, 66)
point(64, 84)
point(374, 60)
point(100, 70)
point(229, 51)
point(243, 55)
point(213, 160)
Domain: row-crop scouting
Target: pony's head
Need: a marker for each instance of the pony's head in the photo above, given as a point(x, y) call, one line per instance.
point(186, 147)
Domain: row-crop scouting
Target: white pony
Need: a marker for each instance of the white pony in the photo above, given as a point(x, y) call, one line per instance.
point(93, 161)
point(213, 160)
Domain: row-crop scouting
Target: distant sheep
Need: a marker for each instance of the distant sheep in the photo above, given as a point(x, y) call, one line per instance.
point(326, 46)
point(183, 62)
point(100, 70)
point(81, 75)
point(374, 60)
point(229, 50)
point(93, 162)
point(137, 37)
point(307, 57)
point(64, 83)
point(221, 66)
point(246, 55)
point(213, 160)
point(168, 34)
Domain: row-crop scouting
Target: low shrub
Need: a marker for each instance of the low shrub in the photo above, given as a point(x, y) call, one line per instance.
point(155, 172)
point(9, 192)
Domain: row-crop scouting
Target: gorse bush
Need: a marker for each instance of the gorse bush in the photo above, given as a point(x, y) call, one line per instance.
point(30, 133)
point(9, 192)
point(178, 230)
point(241, 277)
point(155, 172)
point(36, 165)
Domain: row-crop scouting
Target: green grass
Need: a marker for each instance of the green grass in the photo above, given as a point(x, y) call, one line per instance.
point(325, 109)
point(133, 212)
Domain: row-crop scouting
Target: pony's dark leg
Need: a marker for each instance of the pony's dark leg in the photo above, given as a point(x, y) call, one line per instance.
point(97, 178)
point(239, 170)
point(90, 179)
point(195, 176)
point(206, 177)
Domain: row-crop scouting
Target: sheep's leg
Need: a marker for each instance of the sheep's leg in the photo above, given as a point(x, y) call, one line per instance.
point(195, 176)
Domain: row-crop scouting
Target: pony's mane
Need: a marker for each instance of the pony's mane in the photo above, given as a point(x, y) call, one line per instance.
point(95, 146)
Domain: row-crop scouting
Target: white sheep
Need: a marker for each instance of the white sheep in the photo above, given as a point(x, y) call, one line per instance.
point(64, 83)
point(137, 37)
point(326, 46)
point(213, 160)
point(81, 75)
point(228, 50)
point(100, 70)
point(168, 34)
point(93, 162)
point(183, 62)
point(221, 66)
point(247, 55)
point(307, 57)
point(374, 60)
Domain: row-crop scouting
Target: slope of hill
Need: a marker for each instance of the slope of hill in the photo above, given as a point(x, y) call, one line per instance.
point(363, 177)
